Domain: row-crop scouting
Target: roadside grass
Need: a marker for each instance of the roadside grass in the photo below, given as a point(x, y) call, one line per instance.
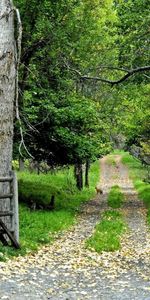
point(107, 233)
point(115, 197)
point(42, 226)
point(137, 171)
point(138, 174)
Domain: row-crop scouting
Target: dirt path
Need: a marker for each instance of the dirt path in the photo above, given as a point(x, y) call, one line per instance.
point(66, 270)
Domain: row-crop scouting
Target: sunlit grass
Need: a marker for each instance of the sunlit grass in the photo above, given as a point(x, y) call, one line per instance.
point(115, 197)
point(40, 226)
point(107, 233)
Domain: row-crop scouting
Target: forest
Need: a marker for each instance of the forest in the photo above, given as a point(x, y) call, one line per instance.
point(83, 81)
point(75, 121)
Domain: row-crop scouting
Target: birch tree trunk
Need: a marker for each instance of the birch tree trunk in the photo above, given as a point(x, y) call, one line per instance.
point(7, 92)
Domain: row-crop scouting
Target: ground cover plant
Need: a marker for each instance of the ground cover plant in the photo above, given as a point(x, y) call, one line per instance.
point(138, 174)
point(41, 226)
point(115, 197)
point(107, 233)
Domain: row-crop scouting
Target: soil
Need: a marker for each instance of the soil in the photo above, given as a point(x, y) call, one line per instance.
point(67, 270)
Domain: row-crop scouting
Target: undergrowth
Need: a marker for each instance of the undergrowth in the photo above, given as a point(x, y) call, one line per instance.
point(40, 226)
point(115, 197)
point(107, 233)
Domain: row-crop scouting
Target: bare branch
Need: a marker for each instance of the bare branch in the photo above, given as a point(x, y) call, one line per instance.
point(114, 82)
point(73, 70)
point(146, 76)
point(111, 82)
point(19, 39)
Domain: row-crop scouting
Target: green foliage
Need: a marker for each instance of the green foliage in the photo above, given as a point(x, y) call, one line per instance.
point(107, 233)
point(60, 120)
point(68, 120)
point(133, 29)
point(115, 197)
point(40, 226)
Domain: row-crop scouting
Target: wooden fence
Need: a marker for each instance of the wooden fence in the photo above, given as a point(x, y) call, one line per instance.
point(12, 213)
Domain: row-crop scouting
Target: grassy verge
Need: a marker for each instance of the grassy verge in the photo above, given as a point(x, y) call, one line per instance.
point(40, 227)
point(115, 197)
point(137, 174)
point(107, 233)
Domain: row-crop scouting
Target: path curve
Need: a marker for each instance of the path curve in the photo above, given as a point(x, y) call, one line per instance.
point(66, 270)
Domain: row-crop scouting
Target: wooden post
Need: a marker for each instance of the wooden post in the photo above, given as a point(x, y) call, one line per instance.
point(11, 232)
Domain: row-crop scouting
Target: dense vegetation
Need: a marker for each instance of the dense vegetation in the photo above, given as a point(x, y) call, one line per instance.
point(67, 118)
point(82, 92)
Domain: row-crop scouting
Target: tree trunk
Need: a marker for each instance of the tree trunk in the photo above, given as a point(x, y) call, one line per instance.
point(21, 164)
point(87, 167)
point(7, 93)
point(79, 175)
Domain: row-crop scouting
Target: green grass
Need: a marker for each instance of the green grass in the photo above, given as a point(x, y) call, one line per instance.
point(115, 197)
point(40, 188)
point(137, 171)
point(137, 174)
point(40, 227)
point(107, 233)
point(118, 152)
point(111, 160)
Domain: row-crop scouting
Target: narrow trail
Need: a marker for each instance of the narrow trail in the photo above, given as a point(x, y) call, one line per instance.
point(67, 270)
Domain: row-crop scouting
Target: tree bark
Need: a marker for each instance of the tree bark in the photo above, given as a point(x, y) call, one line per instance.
point(87, 167)
point(21, 164)
point(7, 92)
point(79, 175)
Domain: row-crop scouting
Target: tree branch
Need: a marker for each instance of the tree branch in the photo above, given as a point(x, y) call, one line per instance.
point(113, 82)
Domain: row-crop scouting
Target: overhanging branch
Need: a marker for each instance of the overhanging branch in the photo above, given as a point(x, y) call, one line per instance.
point(128, 74)
point(123, 78)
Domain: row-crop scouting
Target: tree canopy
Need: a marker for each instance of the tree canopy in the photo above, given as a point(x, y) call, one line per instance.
point(70, 50)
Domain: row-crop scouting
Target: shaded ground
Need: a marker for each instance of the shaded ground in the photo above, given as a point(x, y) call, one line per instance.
point(66, 270)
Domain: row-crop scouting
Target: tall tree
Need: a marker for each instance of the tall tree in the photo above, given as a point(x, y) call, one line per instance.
point(7, 90)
